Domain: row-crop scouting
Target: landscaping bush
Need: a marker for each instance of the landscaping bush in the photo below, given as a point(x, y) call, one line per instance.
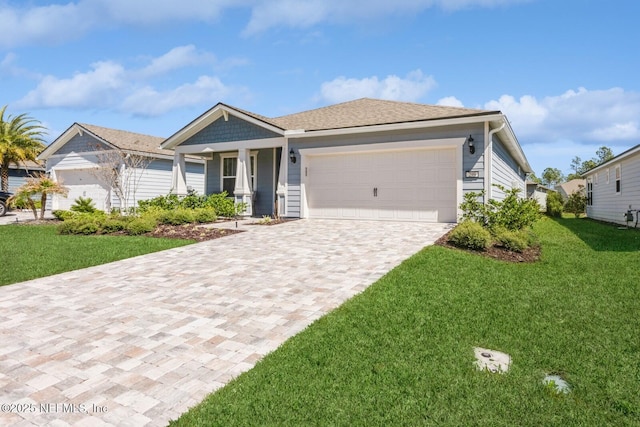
point(80, 225)
point(516, 241)
point(177, 216)
point(203, 215)
point(576, 203)
point(140, 226)
point(170, 201)
point(83, 205)
point(222, 204)
point(63, 215)
point(512, 212)
point(554, 204)
point(112, 225)
point(470, 235)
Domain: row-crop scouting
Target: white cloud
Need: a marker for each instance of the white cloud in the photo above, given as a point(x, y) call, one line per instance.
point(267, 14)
point(178, 57)
point(583, 115)
point(95, 88)
point(52, 24)
point(150, 102)
point(109, 85)
point(450, 101)
point(413, 87)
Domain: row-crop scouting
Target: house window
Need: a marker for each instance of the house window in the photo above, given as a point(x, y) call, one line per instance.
point(618, 176)
point(595, 178)
point(229, 168)
point(589, 192)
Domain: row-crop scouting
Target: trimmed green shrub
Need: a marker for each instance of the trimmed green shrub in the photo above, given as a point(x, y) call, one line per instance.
point(203, 215)
point(83, 205)
point(140, 226)
point(516, 241)
point(470, 235)
point(576, 203)
point(80, 225)
point(512, 212)
point(222, 204)
point(63, 215)
point(177, 216)
point(554, 204)
point(112, 225)
point(170, 201)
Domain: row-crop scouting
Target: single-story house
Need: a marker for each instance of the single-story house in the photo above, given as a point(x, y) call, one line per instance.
point(613, 187)
point(18, 174)
point(90, 161)
point(538, 192)
point(364, 159)
point(568, 188)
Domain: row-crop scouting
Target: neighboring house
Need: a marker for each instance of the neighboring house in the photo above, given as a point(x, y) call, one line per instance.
point(19, 175)
point(363, 159)
point(613, 187)
point(568, 188)
point(76, 157)
point(539, 193)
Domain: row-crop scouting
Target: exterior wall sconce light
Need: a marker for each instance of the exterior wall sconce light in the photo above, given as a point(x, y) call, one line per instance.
point(292, 156)
point(472, 146)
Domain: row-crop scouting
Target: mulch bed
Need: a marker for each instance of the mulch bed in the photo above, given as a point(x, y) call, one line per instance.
point(190, 232)
point(496, 252)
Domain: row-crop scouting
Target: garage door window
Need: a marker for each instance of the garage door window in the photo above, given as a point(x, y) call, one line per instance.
point(229, 169)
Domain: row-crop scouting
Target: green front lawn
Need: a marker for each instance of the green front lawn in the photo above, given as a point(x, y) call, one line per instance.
point(401, 353)
point(32, 251)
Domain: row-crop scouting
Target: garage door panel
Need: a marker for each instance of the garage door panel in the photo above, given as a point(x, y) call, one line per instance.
point(81, 183)
point(416, 185)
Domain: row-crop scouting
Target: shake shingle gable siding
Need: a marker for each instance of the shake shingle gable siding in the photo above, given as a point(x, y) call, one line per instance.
point(84, 143)
point(233, 129)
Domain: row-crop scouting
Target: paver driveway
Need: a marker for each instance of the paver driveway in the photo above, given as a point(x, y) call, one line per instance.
point(139, 341)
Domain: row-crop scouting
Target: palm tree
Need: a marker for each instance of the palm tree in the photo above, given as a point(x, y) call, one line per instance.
point(40, 184)
point(20, 140)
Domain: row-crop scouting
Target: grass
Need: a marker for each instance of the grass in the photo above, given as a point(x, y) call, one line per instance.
point(29, 252)
point(401, 352)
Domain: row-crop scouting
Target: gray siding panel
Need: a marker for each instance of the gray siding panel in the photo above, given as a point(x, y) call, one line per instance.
point(212, 185)
point(505, 172)
point(82, 144)
point(470, 161)
point(265, 191)
point(607, 204)
point(234, 129)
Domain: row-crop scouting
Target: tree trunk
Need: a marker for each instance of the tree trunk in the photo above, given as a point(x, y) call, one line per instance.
point(4, 176)
point(43, 203)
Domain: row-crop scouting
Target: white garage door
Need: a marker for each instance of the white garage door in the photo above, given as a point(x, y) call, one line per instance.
point(415, 185)
point(81, 183)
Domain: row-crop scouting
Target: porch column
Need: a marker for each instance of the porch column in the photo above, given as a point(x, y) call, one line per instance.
point(243, 191)
point(281, 190)
point(179, 182)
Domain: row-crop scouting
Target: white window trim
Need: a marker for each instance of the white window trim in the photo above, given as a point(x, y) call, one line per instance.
point(253, 155)
point(618, 179)
point(608, 177)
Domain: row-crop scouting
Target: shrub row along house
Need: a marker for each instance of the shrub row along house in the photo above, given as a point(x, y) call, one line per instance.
point(363, 159)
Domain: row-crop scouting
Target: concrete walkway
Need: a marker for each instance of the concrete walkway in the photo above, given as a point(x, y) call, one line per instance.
point(137, 342)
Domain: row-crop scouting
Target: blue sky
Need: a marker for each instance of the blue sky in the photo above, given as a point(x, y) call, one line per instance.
point(565, 72)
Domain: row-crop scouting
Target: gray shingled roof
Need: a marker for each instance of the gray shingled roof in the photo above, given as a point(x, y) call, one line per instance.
point(367, 112)
point(126, 140)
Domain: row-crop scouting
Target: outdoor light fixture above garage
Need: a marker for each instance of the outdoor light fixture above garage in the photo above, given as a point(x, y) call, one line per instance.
point(472, 146)
point(292, 156)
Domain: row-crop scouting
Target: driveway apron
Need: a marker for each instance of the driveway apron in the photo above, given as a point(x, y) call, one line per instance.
point(139, 341)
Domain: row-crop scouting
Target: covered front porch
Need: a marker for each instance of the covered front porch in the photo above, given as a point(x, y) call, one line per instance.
point(252, 172)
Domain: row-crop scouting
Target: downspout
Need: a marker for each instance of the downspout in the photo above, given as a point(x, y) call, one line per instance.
point(488, 160)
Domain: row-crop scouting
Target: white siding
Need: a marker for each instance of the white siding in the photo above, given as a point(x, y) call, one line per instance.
point(607, 204)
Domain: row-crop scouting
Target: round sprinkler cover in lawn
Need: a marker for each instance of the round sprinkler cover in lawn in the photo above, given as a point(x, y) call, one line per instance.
point(556, 383)
point(491, 360)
